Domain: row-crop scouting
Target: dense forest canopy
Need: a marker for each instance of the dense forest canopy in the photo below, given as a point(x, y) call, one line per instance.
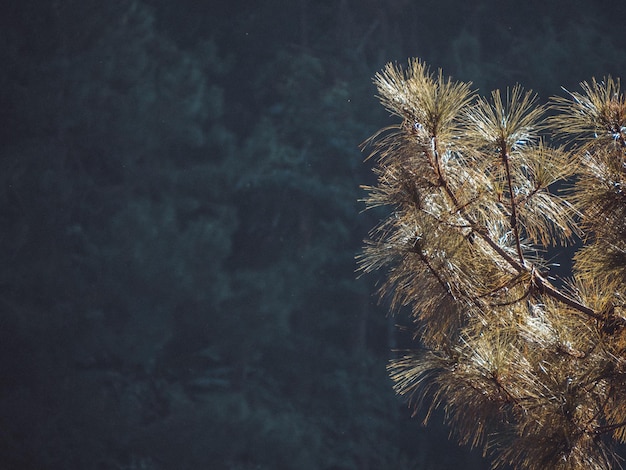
point(179, 216)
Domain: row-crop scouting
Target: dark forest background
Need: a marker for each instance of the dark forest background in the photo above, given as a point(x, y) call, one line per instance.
point(179, 217)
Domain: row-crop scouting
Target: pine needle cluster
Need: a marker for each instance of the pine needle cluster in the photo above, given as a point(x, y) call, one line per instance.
point(528, 368)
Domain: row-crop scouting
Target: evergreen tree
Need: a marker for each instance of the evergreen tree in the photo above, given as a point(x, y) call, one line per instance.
point(527, 367)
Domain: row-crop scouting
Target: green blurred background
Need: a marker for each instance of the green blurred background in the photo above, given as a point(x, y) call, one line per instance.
point(179, 218)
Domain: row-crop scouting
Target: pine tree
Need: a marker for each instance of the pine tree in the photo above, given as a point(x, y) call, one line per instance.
point(526, 366)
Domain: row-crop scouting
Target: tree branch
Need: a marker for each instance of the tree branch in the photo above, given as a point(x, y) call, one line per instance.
point(514, 227)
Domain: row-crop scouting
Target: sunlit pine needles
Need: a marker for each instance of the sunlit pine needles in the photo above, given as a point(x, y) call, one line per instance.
point(425, 100)
point(595, 121)
point(598, 112)
point(533, 374)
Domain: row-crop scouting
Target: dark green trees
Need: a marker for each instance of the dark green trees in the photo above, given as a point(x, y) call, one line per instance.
point(176, 234)
point(529, 368)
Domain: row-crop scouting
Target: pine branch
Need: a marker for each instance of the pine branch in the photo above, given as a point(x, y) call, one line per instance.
point(514, 226)
point(532, 372)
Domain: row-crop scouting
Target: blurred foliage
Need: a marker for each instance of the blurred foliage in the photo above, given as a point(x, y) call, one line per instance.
point(178, 221)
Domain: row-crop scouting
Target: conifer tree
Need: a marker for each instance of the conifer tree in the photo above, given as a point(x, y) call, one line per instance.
point(528, 367)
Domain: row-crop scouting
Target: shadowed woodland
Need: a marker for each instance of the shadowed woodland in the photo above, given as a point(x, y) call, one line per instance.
point(180, 214)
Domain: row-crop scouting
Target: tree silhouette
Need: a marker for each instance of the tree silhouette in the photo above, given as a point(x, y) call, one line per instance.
point(528, 367)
